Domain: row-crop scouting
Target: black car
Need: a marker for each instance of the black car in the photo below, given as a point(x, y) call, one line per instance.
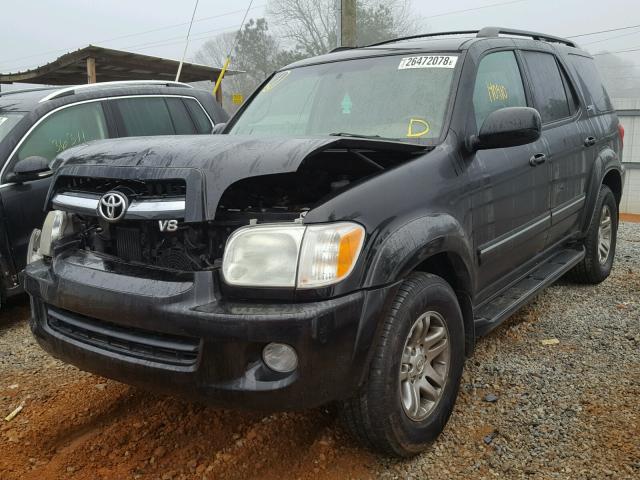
point(362, 219)
point(37, 124)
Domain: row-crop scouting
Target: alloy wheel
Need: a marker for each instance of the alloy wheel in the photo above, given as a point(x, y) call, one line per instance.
point(424, 365)
point(604, 235)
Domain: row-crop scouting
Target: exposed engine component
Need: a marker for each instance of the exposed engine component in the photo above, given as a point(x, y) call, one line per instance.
point(199, 246)
point(321, 175)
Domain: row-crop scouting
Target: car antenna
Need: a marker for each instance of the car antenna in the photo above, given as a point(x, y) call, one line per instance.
point(186, 45)
point(228, 60)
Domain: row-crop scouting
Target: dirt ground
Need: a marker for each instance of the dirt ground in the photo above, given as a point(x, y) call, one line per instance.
point(549, 418)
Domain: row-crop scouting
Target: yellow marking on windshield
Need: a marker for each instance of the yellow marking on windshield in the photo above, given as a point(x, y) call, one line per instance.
point(276, 80)
point(412, 133)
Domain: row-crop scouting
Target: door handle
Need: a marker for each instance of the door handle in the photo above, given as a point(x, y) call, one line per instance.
point(590, 141)
point(537, 159)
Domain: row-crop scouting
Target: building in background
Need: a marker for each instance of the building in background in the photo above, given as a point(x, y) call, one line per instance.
point(629, 114)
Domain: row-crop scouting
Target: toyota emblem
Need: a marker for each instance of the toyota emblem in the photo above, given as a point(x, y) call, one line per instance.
point(113, 206)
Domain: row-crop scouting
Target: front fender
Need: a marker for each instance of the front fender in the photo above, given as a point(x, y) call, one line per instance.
point(398, 251)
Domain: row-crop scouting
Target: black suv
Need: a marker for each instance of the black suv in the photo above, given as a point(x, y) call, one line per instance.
point(37, 124)
point(358, 223)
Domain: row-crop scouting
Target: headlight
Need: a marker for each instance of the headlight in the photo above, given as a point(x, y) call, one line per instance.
point(33, 255)
point(53, 230)
point(292, 255)
point(263, 255)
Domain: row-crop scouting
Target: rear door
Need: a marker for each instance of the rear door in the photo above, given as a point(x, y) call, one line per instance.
point(511, 210)
point(564, 131)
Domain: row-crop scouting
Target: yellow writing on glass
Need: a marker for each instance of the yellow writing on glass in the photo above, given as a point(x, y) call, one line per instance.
point(497, 92)
point(277, 79)
point(69, 140)
point(417, 128)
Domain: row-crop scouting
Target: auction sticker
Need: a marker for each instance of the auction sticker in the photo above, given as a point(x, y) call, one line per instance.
point(428, 61)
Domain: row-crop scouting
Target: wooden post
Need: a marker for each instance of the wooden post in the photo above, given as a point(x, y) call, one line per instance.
point(91, 70)
point(219, 94)
point(347, 23)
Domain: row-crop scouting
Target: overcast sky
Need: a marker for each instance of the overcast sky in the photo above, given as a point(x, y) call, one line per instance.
point(36, 31)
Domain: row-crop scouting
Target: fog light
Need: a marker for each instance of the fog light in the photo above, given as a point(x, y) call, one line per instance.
point(280, 357)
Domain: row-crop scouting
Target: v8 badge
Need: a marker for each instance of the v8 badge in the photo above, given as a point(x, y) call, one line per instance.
point(168, 225)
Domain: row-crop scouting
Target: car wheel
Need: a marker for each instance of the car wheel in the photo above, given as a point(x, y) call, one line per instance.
point(600, 242)
point(414, 375)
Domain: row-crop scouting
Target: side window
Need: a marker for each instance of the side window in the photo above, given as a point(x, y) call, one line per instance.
point(144, 116)
point(591, 83)
point(574, 104)
point(64, 129)
point(498, 85)
point(200, 118)
point(549, 95)
point(182, 123)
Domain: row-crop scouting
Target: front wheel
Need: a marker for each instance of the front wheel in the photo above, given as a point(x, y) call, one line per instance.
point(600, 241)
point(414, 376)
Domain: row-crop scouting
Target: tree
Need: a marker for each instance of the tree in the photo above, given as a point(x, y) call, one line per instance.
point(257, 54)
point(310, 26)
point(620, 75)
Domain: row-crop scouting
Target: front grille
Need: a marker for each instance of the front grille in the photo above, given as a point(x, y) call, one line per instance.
point(133, 342)
point(128, 243)
point(134, 188)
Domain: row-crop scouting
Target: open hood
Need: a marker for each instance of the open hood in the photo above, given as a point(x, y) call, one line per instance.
point(208, 163)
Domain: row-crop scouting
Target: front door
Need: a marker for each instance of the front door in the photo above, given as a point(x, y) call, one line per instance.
point(511, 208)
point(23, 204)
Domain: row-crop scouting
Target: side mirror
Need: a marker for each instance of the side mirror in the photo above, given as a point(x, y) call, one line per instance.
point(30, 168)
point(508, 127)
point(218, 128)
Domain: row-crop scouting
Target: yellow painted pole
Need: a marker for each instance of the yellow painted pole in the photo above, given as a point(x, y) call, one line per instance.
point(222, 72)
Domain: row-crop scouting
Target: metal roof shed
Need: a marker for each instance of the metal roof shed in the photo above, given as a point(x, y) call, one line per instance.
point(97, 64)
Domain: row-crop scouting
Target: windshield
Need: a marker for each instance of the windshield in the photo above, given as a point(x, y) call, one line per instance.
point(7, 122)
point(400, 97)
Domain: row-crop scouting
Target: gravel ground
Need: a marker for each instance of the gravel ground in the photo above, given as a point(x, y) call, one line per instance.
point(526, 409)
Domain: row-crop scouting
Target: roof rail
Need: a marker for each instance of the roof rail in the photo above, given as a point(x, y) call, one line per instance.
point(425, 35)
point(486, 32)
point(496, 31)
point(24, 90)
point(74, 88)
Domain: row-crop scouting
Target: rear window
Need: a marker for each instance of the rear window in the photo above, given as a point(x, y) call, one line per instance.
point(591, 83)
point(549, 95)
point(145, 116)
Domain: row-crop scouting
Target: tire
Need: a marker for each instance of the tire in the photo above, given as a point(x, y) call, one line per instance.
point(379, 415)
point(593, 269)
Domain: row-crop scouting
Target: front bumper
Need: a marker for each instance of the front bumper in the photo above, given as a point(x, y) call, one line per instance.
point(171, 332)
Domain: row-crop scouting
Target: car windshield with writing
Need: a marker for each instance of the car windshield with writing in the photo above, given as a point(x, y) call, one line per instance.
point(7, 122)
point(398, 97)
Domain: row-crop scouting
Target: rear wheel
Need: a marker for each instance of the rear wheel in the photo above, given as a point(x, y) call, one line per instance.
point(600, 241)
point(413, 378)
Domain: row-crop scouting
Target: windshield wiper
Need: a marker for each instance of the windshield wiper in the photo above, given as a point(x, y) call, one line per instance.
point(355, 135)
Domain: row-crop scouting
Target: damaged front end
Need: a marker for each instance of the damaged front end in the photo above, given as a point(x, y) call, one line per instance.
point(171, 223)
point(180, 273)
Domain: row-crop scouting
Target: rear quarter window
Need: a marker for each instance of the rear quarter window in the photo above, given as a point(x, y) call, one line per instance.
point(198, 115)
point(590, 83)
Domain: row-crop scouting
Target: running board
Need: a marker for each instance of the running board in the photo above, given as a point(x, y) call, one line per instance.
point(493, 313)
